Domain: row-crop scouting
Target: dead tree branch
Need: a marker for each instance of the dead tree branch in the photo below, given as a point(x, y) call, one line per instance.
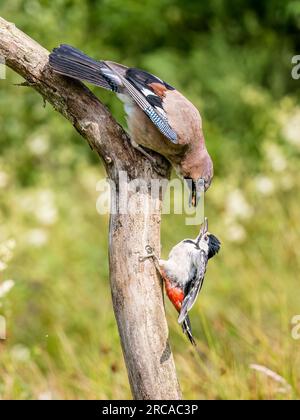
point(136, 288)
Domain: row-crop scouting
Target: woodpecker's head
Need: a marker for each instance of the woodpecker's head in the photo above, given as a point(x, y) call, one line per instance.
point(211, 244)
point(207, 241)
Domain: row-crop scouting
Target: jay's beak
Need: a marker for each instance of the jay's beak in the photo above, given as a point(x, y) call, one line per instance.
point(197, 189)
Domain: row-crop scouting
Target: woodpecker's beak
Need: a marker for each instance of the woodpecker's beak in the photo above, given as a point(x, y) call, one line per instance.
point(197, 189)
point(203, 231)
point(204, 227)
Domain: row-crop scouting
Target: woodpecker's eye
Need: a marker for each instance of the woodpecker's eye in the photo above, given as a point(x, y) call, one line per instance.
point(206, 238)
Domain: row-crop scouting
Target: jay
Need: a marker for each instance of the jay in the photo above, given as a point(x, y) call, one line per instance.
point(159, 117)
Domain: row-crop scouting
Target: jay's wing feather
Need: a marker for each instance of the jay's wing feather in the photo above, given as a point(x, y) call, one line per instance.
point(195, 286)
point(148, 92)
point(144, 88)
point(71, 62)
point(157, 117)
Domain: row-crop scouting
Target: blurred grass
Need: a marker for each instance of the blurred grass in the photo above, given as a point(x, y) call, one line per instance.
point(234, 64)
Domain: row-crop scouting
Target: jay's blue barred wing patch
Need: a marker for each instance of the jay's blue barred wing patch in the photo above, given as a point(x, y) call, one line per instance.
point(161, 124)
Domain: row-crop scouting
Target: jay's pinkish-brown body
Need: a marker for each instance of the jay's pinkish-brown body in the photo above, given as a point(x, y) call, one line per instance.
point(189, 156)
point(159, 117)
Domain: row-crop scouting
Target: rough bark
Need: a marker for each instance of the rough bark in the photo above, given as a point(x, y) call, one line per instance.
point(136, 287)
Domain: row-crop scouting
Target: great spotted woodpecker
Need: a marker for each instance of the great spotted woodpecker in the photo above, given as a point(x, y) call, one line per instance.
point(184, 271)
point(159, 117)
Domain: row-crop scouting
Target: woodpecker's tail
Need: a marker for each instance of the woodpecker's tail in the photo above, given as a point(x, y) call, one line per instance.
point(187, 329)
point(71, 62)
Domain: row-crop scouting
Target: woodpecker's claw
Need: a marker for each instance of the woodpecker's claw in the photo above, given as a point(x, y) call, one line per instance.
point(149, 251)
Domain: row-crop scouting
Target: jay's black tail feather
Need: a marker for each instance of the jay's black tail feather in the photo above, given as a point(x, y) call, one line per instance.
point(71, 62)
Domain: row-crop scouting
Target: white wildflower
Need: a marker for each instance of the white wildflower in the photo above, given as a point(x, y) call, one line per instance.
point(236, 233)
point(38, 145)
point(41, 205)
point(2, 328)
point(47, 215)
point(237, 206)
point(265, 185)
point(20, 353)
point(6, 287)
point(291, 128)
point(6, 251)
point(3, 266)
point(3, 179)
point(36, 237)
point(45, 396)
point(11, 244)
point(275, 157)
point(45, 210)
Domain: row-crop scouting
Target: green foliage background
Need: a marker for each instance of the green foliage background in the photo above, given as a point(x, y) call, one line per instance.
point(233, 60)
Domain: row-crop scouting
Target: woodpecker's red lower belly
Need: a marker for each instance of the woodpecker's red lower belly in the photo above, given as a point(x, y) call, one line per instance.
point(175, 294)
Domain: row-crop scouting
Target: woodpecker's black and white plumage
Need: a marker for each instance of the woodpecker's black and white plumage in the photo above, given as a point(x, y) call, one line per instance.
point(184, 271)
point(159, 117)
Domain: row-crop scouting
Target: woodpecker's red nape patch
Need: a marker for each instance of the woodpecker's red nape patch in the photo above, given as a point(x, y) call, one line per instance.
point(175, 294)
